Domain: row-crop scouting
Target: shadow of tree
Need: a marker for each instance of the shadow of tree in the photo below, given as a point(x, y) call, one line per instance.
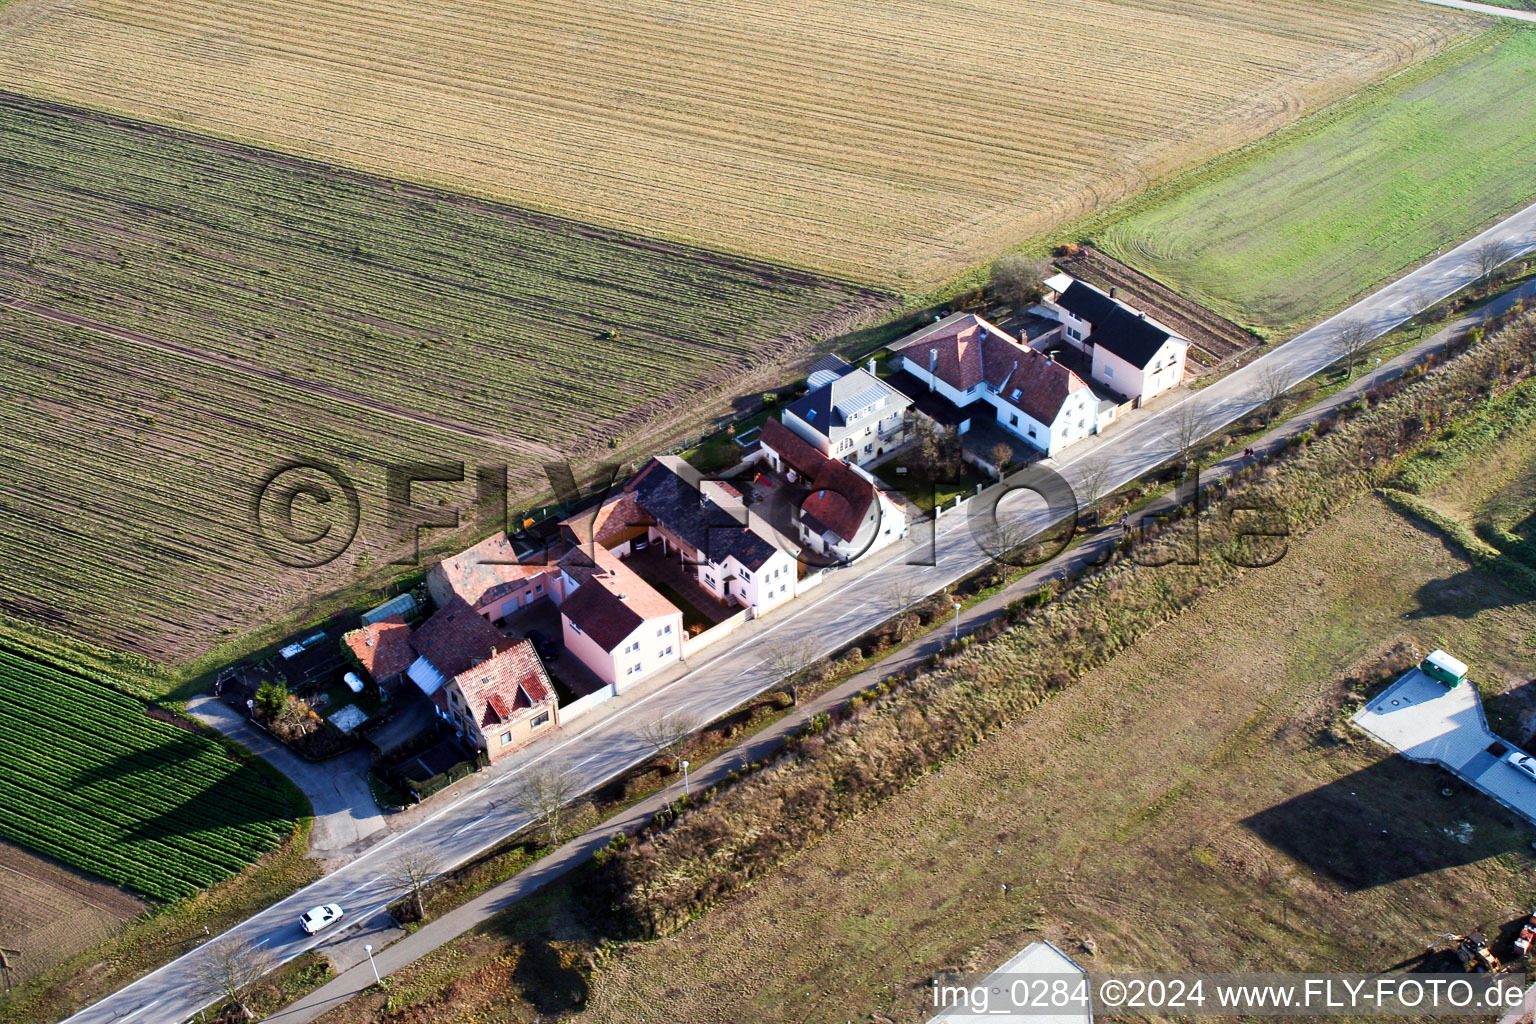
point(549, 984)
point(1388, 822)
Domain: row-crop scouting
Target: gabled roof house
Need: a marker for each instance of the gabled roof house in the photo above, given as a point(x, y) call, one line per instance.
point(851, 415)
point(967, 360)
point(1131, 352)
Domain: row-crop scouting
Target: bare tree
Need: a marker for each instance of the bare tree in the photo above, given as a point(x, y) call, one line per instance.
point(1420, 302)
point(1352, 340)
point(1188, 425)
point(1271, 386)
point(1001, 456)
point(1003, 536)
point(788, 657)
point(1093, 483)
point(543, 790)
point(1020, 281)
point(1489, 257)
point(228, 966)
point(667, 733)
point(903, 594)
point(412, 868)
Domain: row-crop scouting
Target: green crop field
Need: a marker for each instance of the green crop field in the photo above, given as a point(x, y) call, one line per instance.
point(95, 782)
point(1275, 236)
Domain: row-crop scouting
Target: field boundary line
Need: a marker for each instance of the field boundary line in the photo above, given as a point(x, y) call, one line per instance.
point(325, 391)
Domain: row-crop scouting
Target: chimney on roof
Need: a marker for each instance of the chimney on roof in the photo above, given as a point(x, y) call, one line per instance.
point(1142, 315)
point(1114, 292)
point(623, 596)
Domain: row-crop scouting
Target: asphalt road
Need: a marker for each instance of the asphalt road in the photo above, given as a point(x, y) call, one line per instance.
point(850, 602)
point(1488, 9)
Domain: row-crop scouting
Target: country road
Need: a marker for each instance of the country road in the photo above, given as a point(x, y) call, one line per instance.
point(1489, 9)
point(852, 601)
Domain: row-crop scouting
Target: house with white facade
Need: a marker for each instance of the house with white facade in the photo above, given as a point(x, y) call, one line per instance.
point(1130, 352)
point(849, 413)
point(704, 525)
point(980, 368)
point(846, 515)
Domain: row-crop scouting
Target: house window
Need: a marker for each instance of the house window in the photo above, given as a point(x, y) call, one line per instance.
point(574, 628)
point(783, 587)
point(667, 630)
point(1072, 333)
point(709, 581)
point(1082, 424)
point(1013, 420)
point(538, 588)
point(1157, 367)
point(541, 720)
point(506, 738)
point(1031, 431)
point(746, 575)
point(667, 653)
point(868, 448)
point(1109, 371)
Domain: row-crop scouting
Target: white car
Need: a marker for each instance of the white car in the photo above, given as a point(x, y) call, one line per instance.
point(322, 916)
point(1525, 764)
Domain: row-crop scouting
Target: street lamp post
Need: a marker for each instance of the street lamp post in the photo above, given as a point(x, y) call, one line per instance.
point(368, 948)
point(685, 778)
point(957, 620)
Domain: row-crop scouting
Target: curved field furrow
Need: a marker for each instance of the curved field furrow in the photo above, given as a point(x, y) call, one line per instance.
point(894, 142)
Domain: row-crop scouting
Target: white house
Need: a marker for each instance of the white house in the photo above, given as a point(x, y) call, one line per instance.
point(968, 360)
point(849, 413)
point(1131, 353)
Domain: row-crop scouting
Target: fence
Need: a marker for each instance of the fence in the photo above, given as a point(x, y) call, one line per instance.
point(581, 705)
point(716, 632)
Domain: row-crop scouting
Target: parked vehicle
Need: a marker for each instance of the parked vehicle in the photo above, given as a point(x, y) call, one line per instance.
point(320, 917)
point(1445, 668)
point(541, 643)
point(1526, 937)
point(1525, 764)
point(639, 543)
point(1475, 955)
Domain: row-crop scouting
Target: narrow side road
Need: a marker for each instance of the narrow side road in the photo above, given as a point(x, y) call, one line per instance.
point(1490, 9)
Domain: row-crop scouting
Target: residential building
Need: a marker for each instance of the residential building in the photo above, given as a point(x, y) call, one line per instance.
point(382, 648)
point(1130, 352)
point(846, 515)
point(617, 624)
point(500, 704)
point(974, 364)
point(452, 640)
point(849, 413)
point(490, 579)
point(703, 524)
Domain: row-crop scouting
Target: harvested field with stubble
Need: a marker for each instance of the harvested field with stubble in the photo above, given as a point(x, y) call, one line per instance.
point(892, 143)
point(51, 913)
point(1195, 804)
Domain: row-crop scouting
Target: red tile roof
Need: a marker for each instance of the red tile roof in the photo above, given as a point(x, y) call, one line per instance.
point(611, 519)
point(797, 453)
point(384, 648)
point(505, 688)
point(968, 350)
point(457, 637)
point(840, 501)
point(487, 571)
point(1042, 383)
point(611, 601)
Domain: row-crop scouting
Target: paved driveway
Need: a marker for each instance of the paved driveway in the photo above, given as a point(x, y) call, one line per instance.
point(345, 814)
point(1425, 722)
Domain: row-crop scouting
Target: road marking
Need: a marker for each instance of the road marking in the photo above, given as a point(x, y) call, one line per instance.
point(364, 885)
point(141, 1009)
point(1439, 275)
point(472, 824)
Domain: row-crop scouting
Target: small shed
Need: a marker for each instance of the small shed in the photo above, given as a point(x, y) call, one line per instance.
point(1444, 668)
